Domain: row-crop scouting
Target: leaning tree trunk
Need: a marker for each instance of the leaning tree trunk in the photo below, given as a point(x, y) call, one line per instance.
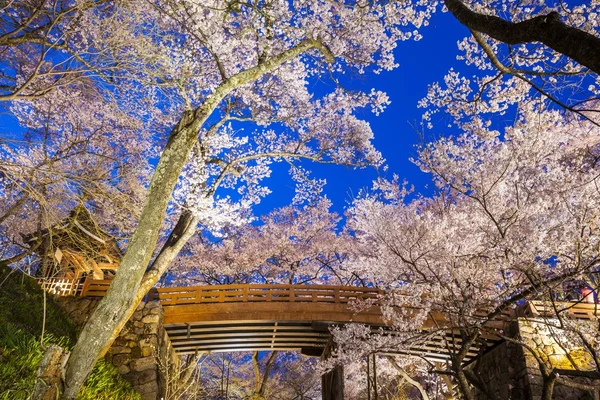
point(122, 298)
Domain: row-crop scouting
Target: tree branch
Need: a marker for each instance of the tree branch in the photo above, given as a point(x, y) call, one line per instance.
point(548, 29)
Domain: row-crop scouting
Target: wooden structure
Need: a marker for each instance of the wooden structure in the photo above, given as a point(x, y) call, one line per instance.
point(260, 317)
point(72, 250)
point(573, 309)
point(251, 317)
point(84, 287)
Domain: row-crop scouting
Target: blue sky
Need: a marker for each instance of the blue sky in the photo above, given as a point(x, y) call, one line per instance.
point(421, 63)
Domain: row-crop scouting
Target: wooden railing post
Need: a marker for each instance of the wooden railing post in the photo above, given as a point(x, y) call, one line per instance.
point(86, 284)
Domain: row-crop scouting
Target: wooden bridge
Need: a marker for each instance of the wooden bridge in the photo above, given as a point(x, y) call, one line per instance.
point(226, 318)
point(260, 317)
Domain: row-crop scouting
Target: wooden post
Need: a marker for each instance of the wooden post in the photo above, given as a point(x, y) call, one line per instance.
point(368, 378)
point(84, 289)
point(375, 376)
point(332, 384)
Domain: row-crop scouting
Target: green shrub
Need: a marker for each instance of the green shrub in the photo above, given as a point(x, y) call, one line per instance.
point(20, 355)
point(21, 351)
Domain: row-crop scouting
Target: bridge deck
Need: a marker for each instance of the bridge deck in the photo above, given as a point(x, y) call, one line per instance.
point(260, 317)
point(283, 317)
point(278, 317)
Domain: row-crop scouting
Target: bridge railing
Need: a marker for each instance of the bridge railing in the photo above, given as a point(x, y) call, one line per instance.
point(244, 293)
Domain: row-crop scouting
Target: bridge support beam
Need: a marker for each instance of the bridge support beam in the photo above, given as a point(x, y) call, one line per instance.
point(332, 384)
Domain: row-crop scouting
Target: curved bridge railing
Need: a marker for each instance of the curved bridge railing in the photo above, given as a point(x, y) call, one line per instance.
point(259, 316)
point(247, 293)
point(247, 317)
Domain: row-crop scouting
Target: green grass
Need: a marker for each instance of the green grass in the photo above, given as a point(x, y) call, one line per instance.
point(21, 350)
point(105, 383)
point(22, 305)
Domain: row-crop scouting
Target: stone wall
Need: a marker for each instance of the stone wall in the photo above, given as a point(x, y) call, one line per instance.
point(504, 372)
point(511, 372)
point(142, 352)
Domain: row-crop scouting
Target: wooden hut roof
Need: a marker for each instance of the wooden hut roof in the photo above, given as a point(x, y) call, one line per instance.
point(78, 232)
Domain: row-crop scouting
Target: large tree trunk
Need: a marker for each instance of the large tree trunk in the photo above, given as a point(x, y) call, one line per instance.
point(120, 302)
point(547, 29)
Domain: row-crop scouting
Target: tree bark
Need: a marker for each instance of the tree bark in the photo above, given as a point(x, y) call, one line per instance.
point(48, 384)
point(548, 387)
point(260, 381)
point(457, 365)
point(123, 296)
point(408, 378)
point(548, 29)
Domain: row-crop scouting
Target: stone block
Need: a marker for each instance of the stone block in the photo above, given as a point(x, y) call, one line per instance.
point(155, 311)
point(121, 359)
point(147, 388)
point(136, 352)
point(147, 351)
point(152, 305)
point(143, 364)
point(85, 304)
point(123, 369)
point(151, 319)
point(119, 350)
point(149, 341)
point(146, 376)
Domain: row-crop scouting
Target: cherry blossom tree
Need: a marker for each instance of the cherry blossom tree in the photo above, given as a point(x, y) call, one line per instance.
point(519, 51)
point(221, 90)
point(258, 375)
point(294, 244)
point(513, 219)
point(68, 154)
point(243, 62)
point(79, 129)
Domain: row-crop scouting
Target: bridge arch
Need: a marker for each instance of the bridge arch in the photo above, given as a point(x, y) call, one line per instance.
point(260, 317)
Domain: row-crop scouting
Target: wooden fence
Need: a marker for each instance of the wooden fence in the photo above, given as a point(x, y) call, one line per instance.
point(222, 293)
point(87, 287)
point(572, 309)
point(262, 293)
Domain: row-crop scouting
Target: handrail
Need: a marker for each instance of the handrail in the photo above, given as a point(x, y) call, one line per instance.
point(244, 293)
point(236, 293)
point(573, 309)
